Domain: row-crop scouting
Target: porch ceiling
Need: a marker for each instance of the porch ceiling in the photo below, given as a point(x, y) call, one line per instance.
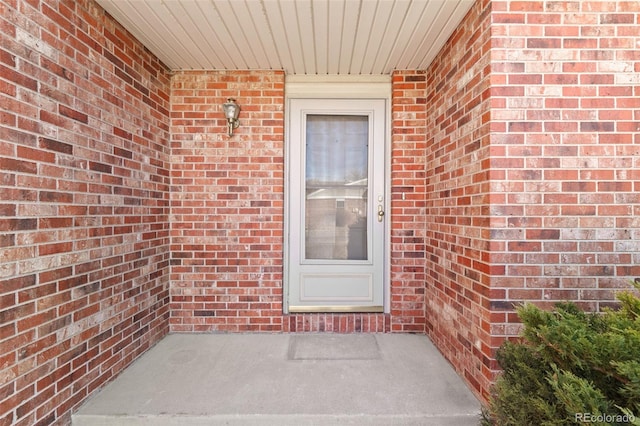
point(297, 36)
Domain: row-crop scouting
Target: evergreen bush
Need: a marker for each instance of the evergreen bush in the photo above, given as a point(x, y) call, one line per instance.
point(570, 368)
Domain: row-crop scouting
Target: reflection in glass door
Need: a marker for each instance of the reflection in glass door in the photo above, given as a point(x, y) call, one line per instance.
point(336, 187)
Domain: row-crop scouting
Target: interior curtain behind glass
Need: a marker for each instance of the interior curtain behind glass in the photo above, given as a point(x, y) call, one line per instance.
point(336, 182)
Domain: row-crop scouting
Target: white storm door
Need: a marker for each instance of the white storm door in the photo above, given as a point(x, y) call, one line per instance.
point(336, 202)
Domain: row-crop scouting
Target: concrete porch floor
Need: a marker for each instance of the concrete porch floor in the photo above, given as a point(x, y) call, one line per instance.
point(286, 379)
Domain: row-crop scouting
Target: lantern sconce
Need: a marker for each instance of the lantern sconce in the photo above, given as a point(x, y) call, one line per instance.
point(231, 111)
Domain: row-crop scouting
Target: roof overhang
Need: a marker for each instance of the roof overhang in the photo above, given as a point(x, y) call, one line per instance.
point(319, 37)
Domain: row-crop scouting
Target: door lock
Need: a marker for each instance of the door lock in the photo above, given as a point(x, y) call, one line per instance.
point(380, 213)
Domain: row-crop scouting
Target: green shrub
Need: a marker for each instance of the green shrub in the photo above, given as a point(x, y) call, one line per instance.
point(570, 368)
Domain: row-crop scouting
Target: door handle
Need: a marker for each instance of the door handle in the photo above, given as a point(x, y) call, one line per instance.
point(380, 213)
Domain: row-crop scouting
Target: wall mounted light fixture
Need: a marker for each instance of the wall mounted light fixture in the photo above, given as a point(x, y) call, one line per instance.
point(231, 111)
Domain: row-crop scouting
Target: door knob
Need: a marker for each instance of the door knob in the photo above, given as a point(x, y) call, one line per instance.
point(380, 213)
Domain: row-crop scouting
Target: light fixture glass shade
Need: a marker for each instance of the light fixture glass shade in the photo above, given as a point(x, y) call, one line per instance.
point(231, 111)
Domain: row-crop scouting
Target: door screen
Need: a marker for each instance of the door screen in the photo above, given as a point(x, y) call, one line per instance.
point(336, 187)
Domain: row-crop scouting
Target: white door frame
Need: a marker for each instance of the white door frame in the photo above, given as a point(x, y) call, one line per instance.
point(339, 87)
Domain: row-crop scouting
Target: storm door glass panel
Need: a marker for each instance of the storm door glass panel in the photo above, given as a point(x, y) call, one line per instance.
point(336, 183)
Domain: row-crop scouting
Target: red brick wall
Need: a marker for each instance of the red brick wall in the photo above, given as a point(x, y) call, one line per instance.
point(227, 219)
point(338, 323)
point(408, 201)
point(513, 177)
point(532, 159)
point(566, 108)
point(457, 242)
point(227, 197)
point(84, 238)
point(566, 150)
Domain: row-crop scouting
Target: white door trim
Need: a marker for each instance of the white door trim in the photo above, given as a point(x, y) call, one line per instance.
point(340, 87)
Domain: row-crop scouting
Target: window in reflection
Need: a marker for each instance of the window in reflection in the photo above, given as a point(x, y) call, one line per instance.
point(336, 171)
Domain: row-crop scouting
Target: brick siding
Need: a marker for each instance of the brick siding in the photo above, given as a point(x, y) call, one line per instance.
point(127, 212)
point(408, 201)
point(458, 217)
point(532, 169)
point(227, 201)
point(565, 154)
point(84, 183)
point(227, 205)
point(566, 150)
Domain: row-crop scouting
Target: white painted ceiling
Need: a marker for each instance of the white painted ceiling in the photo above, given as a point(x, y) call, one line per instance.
point(298, 36)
